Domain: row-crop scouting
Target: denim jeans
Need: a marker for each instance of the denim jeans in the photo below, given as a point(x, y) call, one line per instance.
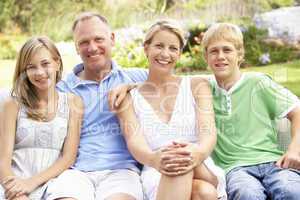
point(263, 181)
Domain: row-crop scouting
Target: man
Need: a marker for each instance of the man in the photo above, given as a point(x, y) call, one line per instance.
point(104, 168)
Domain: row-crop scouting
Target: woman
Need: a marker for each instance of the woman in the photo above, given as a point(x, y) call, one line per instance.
point(168, 124)
point(40, 126)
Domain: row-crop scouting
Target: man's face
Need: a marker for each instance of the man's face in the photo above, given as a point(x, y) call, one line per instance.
point(222, 57)
point(94, 42)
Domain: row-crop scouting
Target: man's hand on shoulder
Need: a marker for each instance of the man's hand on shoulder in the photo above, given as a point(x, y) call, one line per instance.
point(117, 95)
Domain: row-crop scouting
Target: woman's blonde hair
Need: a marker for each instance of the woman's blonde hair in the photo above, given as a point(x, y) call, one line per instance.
point(23, 90)
point(228, 32)
point(168, 25)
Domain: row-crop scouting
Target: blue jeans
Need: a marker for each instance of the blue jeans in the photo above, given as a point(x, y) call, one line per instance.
point(263, 181)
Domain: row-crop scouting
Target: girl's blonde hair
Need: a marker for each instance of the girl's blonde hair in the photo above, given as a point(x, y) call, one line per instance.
point(228, 32)
point(23, 90)
point(168, 25)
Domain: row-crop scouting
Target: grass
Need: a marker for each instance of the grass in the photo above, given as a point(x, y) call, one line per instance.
point(7, 69)
point(287, 74)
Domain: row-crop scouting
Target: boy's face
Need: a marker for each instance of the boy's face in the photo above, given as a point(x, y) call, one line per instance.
point(222, 57)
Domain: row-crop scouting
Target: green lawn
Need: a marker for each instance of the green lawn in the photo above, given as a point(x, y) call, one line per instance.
point(7, 69)
point(287, 74)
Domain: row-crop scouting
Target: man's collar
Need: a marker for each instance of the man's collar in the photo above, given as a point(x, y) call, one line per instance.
point(115, 68)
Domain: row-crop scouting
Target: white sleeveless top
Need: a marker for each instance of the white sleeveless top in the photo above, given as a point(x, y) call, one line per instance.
point(38, 144)
point(182, 124)
point(182, 127)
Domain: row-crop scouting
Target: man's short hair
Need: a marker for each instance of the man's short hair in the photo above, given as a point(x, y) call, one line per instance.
point(88, 15)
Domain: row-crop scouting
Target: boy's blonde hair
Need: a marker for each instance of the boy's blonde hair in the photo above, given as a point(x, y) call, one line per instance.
point(168, 25)
point(23, 90)
point(228, 32)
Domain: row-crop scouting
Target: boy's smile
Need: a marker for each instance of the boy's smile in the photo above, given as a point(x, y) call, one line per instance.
point(222, 57)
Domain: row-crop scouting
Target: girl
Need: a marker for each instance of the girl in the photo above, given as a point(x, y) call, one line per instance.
point(40, 126)
point(168, 123)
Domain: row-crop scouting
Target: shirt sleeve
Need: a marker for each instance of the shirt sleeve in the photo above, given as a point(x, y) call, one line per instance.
point(278, 100)
point(62, 86)
point(137, 74)
point(4, 93)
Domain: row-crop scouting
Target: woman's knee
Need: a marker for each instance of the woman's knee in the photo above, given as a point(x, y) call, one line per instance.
point(203, 190)
point(66, 199)
point(22, 198)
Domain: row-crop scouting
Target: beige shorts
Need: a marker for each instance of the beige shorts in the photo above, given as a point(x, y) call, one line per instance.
point(96, 185)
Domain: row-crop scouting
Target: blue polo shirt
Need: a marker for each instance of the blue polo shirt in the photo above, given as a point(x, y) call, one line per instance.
point(102, 145)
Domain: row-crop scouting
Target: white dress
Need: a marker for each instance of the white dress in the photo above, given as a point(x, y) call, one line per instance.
point(38, 144)
point(182, 127)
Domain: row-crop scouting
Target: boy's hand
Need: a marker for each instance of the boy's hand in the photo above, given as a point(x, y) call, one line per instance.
point(291, 159)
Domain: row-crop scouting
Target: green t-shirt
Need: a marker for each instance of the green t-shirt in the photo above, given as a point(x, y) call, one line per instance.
point(246, 117)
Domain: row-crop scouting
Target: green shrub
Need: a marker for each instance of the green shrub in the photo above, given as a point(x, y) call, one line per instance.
point(255, 47)
point(7, 50)
point(10, 45)
point(274, 4)
point(192, 60)
point(130, 55)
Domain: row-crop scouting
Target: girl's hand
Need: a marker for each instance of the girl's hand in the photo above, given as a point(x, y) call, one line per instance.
point(16, 187)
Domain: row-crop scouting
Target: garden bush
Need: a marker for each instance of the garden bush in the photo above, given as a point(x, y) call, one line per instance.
point(7, 50)
point(10, 44)
point(274, 4)
point(130, 55)
point(258, 50)
point(257, 46)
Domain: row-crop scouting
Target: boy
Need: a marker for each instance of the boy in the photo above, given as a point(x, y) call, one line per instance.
point(247, 106)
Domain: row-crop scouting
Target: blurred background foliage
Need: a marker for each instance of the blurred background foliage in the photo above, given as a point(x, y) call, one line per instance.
point(20, 19)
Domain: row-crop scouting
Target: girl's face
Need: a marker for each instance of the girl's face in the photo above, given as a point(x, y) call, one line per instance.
point(41, 70)
point(163, 51)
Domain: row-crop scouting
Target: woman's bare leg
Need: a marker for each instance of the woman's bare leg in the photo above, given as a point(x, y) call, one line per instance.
point(203, 173)
point(23, 197)
point(177, 187)
point(203, 190)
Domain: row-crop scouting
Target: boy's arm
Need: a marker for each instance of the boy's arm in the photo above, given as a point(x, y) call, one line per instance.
point(282, 103)
point(291, 159)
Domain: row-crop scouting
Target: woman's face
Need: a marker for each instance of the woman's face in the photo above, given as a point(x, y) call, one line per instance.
point(163, 51)
point(42, 69)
